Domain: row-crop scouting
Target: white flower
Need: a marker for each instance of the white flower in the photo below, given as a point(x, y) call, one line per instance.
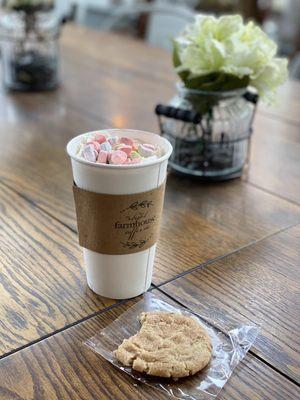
point(270, 77)
point(227, 46)
point(204, 44)
point(249, 51)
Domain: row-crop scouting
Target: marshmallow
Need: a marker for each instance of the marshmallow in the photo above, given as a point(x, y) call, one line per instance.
point(98, 137)
point(136, 160)
point(135, 147)
point(89, 153)
point(146, 151)
point(106, 146)
point(134, 154)
point(149, 146)
point(113, 140)
point(127, 149)
point(118, 157)
point(102, 157)
point(95, 144)
point(103, 149)
point(126, 140)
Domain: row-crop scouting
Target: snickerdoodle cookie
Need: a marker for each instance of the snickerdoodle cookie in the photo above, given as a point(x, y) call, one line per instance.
point(169, 345)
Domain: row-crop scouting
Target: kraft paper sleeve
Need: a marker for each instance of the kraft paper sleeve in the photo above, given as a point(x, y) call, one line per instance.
point(118, 224)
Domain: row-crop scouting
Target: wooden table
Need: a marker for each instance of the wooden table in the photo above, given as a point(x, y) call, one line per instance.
point(231, 247)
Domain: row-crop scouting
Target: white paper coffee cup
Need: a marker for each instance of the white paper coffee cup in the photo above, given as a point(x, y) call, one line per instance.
point(127, 275)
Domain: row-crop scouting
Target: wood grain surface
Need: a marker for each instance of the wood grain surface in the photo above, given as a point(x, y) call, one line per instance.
point(275, 160)
point(261, 284)
point(240, 237)
point(200, 222)
point(42, 282)
point(34, 162)
point(123, 87)
point(287, 104)
point(137, 58)
point(62, 367)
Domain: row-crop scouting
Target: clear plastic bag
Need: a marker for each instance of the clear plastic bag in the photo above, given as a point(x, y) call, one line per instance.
point(230, 345)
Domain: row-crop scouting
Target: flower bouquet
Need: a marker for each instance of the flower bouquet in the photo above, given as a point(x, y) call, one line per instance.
point(223, 65)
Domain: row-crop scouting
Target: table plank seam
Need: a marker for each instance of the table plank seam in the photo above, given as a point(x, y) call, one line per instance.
point(213, 260)
point(270, 192)
point(107, 122)
point(119, 303)
point(250, 351)
point(72, 324)
point(192, 269)
point(66, 327)
point(229, 248)
point(246, 182)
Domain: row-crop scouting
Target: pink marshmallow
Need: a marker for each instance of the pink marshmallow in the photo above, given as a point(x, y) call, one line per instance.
point(98, 137)
point(113, 140)
point(149, 146)
point(102, 157)
point(127, 149)
point(118, 146)
point(127, 141)
point(135, 160)
point(95, 144)
point(145, 151)
point(118, 157)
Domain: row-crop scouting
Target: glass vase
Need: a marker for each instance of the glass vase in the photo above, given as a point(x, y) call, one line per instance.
point(29, 42)
point(210, 131)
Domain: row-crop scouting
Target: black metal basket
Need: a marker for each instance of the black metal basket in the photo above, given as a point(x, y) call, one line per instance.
point(199, 154)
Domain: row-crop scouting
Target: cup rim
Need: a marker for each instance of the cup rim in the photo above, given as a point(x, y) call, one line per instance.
point(122, 166)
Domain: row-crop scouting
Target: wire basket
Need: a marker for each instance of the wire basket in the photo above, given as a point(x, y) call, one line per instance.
point(214, 145)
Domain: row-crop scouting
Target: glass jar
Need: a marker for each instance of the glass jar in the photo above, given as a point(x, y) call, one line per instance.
point(30, 50)
point(209, 131)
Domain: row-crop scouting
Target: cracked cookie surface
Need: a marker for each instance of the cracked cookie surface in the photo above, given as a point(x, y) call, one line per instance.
point(168, 345)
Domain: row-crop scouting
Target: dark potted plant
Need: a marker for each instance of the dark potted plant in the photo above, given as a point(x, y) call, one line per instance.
point(29, 36)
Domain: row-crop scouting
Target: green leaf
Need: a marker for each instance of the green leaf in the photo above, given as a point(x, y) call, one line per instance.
point(216, 82)
point(176, 58)
point(183, 75)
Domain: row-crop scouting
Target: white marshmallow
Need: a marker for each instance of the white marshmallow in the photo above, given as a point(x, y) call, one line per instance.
point(145, 151)
point(106, 146)
point(89, 153)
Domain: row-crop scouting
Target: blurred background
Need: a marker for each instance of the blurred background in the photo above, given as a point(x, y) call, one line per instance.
point(156, 21)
